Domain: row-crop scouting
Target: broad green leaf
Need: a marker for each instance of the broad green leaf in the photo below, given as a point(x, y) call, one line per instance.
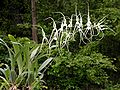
point(41, 56)
point(44, 64)
point(34, 52)
point(26, 56)
point(10, 53)
point(16, 43)
point(2, 70)
point(17, 49)
point(6, 71)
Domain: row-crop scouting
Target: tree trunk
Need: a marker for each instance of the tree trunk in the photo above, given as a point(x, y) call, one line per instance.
point(34, 29)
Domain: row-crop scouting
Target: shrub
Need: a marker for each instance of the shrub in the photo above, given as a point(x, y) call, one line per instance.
point(79, 71)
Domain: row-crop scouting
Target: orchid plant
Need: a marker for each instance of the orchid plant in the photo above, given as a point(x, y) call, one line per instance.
point(24, 71)
point(61, 36)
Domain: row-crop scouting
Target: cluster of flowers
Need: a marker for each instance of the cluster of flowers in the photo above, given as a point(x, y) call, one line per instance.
point(61, 36)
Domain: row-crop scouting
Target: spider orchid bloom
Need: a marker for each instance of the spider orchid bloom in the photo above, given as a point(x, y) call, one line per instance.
point(55, 35)
point(64, 21)
point(77, 21)
point(70, 22)
point(89, 24)
point(54, 28)
point(81, 25)
point(44, 39)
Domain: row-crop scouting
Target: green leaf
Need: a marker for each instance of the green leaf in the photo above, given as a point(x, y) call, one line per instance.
point(2, 86)
point(17, 49)
point(20, 78)
point(34, 52)
point(6, 72)
point(7, 83)
point(10, 53)
point(44, 64)
point(13, 76)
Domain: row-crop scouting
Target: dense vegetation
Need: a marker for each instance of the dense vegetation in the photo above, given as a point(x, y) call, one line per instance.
point(78, 45)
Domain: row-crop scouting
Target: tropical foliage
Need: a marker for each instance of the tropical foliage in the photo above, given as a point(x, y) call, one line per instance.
point(24, 71)
point(83, 37)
